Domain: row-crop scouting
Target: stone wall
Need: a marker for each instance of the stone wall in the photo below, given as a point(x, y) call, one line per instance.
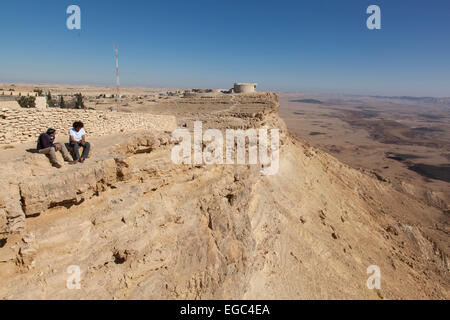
point(12, 104)
point(41, 102)
point(22, 125)
point(18, 93)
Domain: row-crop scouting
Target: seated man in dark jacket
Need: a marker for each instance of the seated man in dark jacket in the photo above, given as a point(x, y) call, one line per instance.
point(46, 145)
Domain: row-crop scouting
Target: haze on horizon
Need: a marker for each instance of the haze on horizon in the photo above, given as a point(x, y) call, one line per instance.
point(320, 46)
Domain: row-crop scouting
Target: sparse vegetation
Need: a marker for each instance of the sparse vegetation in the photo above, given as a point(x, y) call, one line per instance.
point(62, 103)
point(38, 91)
point(27, 102)
point(50, 101)
point(72, 102)
point(79, 104)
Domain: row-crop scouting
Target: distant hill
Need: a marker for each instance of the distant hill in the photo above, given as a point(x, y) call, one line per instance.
point(307, 101)
point(429, 100)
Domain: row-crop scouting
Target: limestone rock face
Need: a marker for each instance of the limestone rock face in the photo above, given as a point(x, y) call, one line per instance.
point(139, 226)
point(12, 217)
point(66, 189)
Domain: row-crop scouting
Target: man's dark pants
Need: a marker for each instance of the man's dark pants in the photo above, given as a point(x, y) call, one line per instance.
point(76, 146)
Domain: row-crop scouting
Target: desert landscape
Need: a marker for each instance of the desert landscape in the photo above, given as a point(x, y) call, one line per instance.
point(404, 140)
point(362, 181)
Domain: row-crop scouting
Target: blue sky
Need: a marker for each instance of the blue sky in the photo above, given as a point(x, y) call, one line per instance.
point(314, 45)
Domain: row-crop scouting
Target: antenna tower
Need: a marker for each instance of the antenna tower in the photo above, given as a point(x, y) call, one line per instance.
point(117, 77)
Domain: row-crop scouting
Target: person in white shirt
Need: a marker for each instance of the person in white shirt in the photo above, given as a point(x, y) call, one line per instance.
point(77, 139)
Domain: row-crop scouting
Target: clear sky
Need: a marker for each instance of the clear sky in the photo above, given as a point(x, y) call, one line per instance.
point(314, 45)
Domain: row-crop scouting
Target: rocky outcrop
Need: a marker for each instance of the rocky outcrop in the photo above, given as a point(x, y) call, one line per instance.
point(32, 195)
point(66, 189)
point(12, 217)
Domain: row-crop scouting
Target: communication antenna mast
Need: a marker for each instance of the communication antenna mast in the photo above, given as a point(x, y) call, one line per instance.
point(117, 77)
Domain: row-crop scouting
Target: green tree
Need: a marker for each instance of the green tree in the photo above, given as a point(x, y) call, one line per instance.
point(79, 104)
point(50, 101)
point(38, 91)
point(62, 103)
point(27, 102)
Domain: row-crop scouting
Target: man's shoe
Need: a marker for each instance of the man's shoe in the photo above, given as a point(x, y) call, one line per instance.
point(69, 161)
point(81, 160)
point(56, 165)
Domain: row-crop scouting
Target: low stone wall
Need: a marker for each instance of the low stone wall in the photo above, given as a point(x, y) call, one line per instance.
point(41, 102)
point(9, 104)
point(22, 125)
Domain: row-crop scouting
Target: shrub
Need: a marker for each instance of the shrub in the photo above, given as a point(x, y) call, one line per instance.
point(27, 102)
point(62, 103)
point(79, 104)
point(50, 101)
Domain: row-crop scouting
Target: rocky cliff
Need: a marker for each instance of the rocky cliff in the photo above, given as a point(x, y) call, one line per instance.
point(141, 227)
